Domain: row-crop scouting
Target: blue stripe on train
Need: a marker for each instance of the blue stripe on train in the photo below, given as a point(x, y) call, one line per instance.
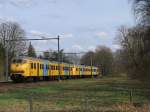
point(66, 72)
point(45, 70)
point(82, 71)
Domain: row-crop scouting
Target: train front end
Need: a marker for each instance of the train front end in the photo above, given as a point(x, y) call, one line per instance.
point(19, 69)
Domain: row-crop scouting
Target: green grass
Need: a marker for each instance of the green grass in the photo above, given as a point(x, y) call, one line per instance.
point(76, 94)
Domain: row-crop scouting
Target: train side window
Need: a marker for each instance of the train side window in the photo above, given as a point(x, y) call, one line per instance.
point(40, 66)
point(31, 65)
point(34, 65)
point(52, 67)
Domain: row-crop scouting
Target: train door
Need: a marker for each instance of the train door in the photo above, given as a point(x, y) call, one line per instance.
point(32, 68)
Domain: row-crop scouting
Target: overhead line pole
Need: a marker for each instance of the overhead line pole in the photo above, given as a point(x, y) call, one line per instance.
point(59, 78)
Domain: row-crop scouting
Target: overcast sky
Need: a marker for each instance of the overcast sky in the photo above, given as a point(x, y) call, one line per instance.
point(82, 24)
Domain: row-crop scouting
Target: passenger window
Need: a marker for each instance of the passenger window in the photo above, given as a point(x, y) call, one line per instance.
point(34, 65)
point(31, 65)
point(42, 66)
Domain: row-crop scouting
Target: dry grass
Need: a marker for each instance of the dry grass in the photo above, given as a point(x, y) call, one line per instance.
point(19, 107)
point(132, 107)
point(83, 95)
point(48, 107)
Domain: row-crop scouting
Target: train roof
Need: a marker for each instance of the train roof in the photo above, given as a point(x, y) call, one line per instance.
point(38, 59)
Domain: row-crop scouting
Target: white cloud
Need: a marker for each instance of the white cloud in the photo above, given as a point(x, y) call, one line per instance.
point(77, 47)
point(18, 2)
point(66, 35)
point(7, 19)
point(38, 33)
point(91, 48)
point(116, 47)
point(103, 35)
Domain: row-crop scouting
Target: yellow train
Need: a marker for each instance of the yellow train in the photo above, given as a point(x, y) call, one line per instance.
point(25, 68)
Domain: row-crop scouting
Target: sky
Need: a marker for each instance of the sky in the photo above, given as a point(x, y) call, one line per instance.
point(82, 24)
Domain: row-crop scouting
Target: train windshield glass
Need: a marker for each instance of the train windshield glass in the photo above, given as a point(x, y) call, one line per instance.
point(19, 61)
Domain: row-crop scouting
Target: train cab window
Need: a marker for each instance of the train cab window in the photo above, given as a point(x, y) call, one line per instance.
point(31, 65)
point(56, 67)
point(19, 61)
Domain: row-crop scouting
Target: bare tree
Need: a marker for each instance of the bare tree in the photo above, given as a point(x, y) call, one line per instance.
point(102, 57)
point(142, 11)
point(12, 31)
point(86, 59)
point(136, 51)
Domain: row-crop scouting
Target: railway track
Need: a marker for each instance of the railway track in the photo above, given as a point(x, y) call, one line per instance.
point(6, 86)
